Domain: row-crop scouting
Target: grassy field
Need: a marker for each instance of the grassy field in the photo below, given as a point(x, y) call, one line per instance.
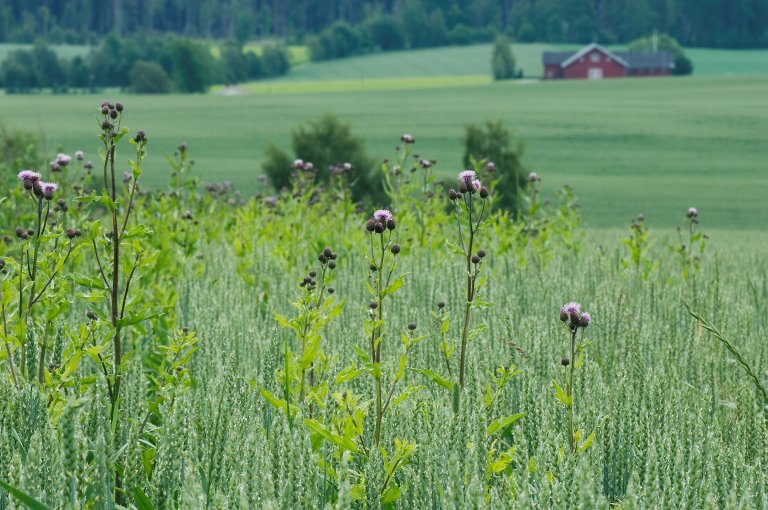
point(651, 145)
point(475, 60)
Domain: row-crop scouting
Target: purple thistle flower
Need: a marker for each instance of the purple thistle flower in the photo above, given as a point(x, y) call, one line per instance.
point(571, 308)
point(383, 215)
point(29, 175)
point(63, 159)
point(48, 189)
point(299, 164)
point(533, 177)
point(79, 155)
point(490, 166)
point(585, 320)
point(476, 184)
point(466, 177)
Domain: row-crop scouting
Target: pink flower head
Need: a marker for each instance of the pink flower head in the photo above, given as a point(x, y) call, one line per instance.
point(48, 189)
point(466, 177)
point(347, 167)
point(692, 212)
point(63, 159)
point(585, 320)
point(490, 166)
point(29, 175)
point(79, 155)
point(299, 163)
point(571, 308)
point(533, 177)
point(476, 184)
point(406, 138)
point(383, 215)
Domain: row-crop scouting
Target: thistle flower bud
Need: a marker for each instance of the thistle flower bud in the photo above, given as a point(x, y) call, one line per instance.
point(584, 320)
point(373, 305)
point(141, 136)
point(475, 259)
point(372, 268)
point(71, 233)
point(452, 194)
point(481, 253)
point(563, 315)
point(2, 263)
point(395, 249)
point(106, 125)
point(92, 316)
point(119, 106)
point(104, 109)
point(30, 232)
point(483, 192)
point(379, 228)
point(331, 290)
point(113, 114)
point(441, 304)
point(412, 326)
point(322, 258)
point(327, 252)
point(370, 226)
point(20, 232)
point(565, 362)
point(331, 265)
point(312, 274)
point(391, 224)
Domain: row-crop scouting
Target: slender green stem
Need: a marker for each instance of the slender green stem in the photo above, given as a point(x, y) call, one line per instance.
point(8, 351)
point(572, 366)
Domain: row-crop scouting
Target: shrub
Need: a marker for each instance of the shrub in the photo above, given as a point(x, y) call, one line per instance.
point(385, 32)
point(683, 66)
point(503, 62)
point(325, 142)
point(275, 60)
point(149, 78)
point(493, 142)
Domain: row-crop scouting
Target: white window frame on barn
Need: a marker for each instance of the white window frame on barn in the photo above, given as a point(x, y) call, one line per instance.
point(595, 57)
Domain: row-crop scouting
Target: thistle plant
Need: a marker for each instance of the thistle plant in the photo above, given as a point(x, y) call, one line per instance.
point(470, 210)
point(43, 251)
point(301, 379)
point(383, 252)
point(691, 249)
point(410, 185)
point(637, 245)
point(574, 320)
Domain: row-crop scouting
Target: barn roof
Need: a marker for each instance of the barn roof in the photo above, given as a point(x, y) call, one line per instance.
point(648, 59)
point(586, 49)
point(629, 59)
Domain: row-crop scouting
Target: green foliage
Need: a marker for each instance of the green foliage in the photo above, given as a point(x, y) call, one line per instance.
point(149, 78)
point(385, 32)
point(502, 60)
point(337, 41)
point(275, 60)
point(683, 66)
point(493, 144)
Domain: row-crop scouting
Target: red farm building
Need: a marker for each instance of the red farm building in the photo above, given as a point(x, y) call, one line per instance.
point(595, 62)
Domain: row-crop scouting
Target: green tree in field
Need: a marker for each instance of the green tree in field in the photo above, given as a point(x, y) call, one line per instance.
point(493, 143)
point(149, 78)
point(664, 42)
point(502, 62)
point(325, 142)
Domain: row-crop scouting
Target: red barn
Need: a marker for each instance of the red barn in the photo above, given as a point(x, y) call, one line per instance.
point(595, 62)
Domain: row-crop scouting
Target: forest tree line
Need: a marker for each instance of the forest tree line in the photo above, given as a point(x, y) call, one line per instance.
point(704, 23)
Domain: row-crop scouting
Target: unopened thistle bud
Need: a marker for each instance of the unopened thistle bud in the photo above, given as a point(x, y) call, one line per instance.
point(565, 362)
point(483, 192)
point(412, 326)
point(475, 259)
point(327, 252)
point(452, 194)
point(481, 253)
point(395, 249)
